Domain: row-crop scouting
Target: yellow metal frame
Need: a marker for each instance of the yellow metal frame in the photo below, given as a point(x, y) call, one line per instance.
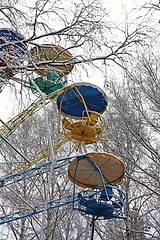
point(8, 127)
point(43, 153)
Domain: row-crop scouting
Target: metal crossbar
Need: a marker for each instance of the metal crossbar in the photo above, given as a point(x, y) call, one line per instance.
point(7, 128)
point(32, 172)
point(13, 216)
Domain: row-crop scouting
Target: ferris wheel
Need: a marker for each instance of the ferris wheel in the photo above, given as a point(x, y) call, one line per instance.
point(81, 107)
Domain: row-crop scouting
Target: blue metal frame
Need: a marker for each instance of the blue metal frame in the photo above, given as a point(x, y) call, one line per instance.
point(99, 204)
point(32, 172)
point(29, 173)
point(13, 216)
point(91, 204)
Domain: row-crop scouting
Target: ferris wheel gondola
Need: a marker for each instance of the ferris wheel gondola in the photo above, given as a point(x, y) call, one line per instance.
point(84, 102)
point(12, 50)
point(47, 84)
point(98, 172)
point(52, 58)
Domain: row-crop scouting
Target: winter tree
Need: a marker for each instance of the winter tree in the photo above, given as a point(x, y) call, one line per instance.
point(125, 55)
